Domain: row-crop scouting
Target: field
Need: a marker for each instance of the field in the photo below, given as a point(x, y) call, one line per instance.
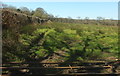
point(33, 42)
point(66, 42)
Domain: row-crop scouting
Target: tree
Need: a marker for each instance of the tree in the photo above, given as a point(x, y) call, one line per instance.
point(8, 6)
point(41, 13)
point(4, 5)
point(70, 19)
point(78, 17)
point(50, 17)
point(86, 20)
point(25, 10)
point(100, 18)
point(12, 7)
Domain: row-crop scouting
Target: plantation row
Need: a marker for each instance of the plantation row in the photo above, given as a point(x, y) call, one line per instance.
point(70, 41)
point(79, 42)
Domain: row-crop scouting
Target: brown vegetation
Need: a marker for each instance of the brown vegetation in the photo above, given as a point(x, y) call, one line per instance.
point(15, 19)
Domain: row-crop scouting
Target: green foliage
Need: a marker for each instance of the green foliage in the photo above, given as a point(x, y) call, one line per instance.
point(77, 41)
point(41, 13)
point(28, 29)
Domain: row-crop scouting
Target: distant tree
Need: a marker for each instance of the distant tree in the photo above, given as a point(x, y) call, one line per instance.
point(79, 17)
point(12, 7)
point(111, 19)
point(25, 10)
point(4, 5)
point(86, 18)
point(18, 10)
point(70, 19)
point(50, 17)
point(41, 13)
point(57, 16)
point(100, 18)
point(32, 12)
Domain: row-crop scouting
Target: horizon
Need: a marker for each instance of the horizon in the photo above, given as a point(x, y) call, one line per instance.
point(107, 10)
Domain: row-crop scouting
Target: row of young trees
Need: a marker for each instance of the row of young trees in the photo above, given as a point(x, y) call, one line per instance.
point(36, 43)
point(86, 21)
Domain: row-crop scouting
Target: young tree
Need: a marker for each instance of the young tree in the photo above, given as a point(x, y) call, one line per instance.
point(86, 18)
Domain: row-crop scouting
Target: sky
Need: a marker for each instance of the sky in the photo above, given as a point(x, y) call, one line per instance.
point(108, 10)
point(61, 0)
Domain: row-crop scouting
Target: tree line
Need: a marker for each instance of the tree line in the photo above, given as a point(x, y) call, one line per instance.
point(41, 13)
